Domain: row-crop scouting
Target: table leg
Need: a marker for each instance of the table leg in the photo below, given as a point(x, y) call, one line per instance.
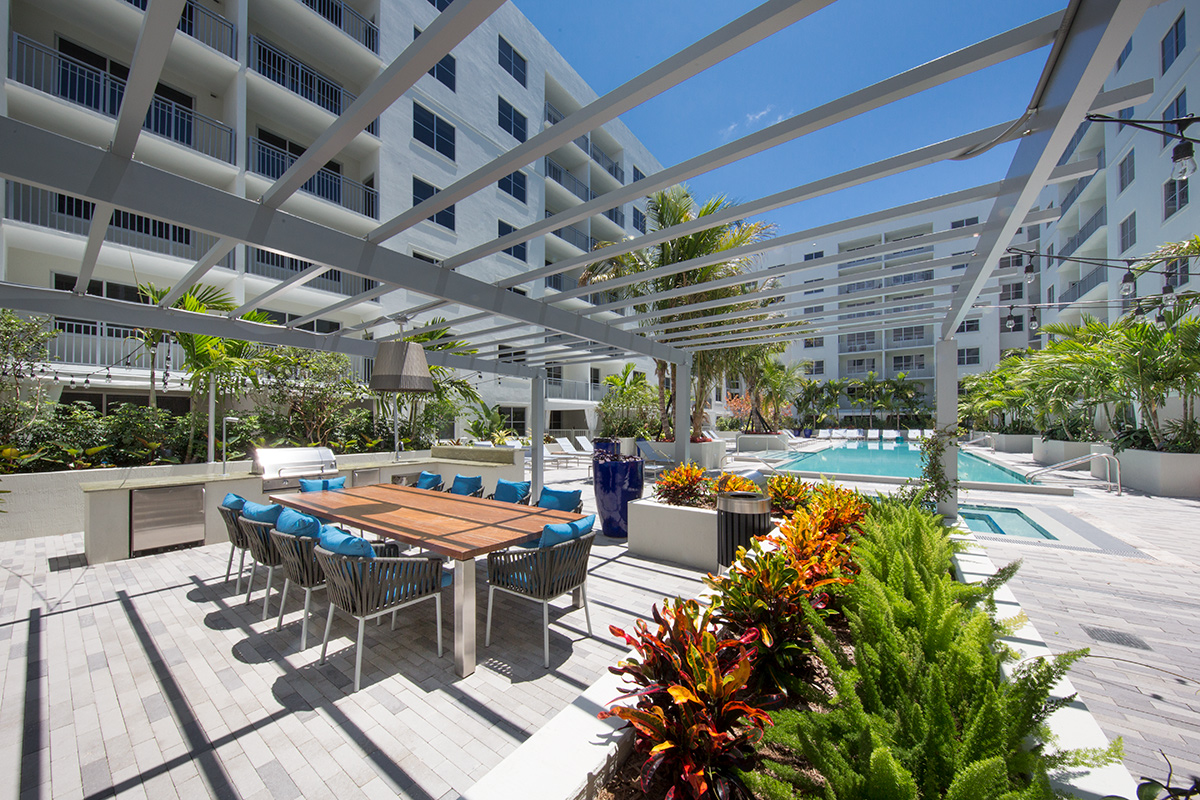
point(464, 617)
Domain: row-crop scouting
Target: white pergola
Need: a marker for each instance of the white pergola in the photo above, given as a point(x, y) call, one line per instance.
point(1084, 41)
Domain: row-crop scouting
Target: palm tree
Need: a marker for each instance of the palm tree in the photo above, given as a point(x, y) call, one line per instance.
point(870, 390)
point(903, 394)
point(834, 389)
point(780, 384)
point(201, 298)
point(810, 401)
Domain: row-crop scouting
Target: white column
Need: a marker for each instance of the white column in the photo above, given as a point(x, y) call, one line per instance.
point(946, 390)
point(683, 411)
point(212, 419)
point(537, 410)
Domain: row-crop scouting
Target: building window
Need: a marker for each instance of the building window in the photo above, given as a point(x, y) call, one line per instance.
point(908, 363)
point(910, 333)
point(514, 184)
point(424, 257)
point(968, 356)
point(517, 251)
point(594, 374)
point(814, 368)
point(1011, 291)
point(1172, 44)
point(422, 191)
point(814, 309)
point(1175, 197)
point(814, 256)
point(959, 266)
point(814, 341)
point(432, 131)
point(1125, 113)
point(511, 120)
point(514, 418)
point(968, 326)
point(1125, 52)
point(639, 220)
point(1175, 109)
point(857, 342)
point(1125, 172)
point(510, 355)
point(512, 61)
point(962, 223)
point(1006, 262)
point(518, 290)
point(1050, 296)
point(637, 175)
point(440, 5)
point(1176, 272)
point(1128, 232)
point(860, 366)
point(444, 70)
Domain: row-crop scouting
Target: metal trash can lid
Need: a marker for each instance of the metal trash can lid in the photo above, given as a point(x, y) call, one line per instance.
point(743, 503)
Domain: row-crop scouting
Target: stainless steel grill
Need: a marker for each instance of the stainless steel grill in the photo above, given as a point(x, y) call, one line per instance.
point(283, 467)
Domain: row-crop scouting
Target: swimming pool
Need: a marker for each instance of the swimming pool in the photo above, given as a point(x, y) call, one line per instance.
point(894, 459)
point(1003, 521)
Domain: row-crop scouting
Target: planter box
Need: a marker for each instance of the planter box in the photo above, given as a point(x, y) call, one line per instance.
point(749, 442)
point(1099, 465)
point(678, 534)
point(1053, 451)
point(1013, 442)
point(707, 454)
point(1163, 474)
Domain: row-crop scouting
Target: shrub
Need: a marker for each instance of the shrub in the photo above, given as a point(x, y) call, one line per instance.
point(684, 485)
point(138, 435)
point(728, 482)
point(787, 493)
point(693, 719)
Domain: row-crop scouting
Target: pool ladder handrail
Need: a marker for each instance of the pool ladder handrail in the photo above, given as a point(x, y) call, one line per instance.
point(979, 439)
point(1109, 461)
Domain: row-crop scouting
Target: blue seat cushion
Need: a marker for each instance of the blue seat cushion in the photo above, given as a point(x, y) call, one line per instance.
point(258, 512)
point(566, 531)
point(560, 500)
point(464, 485)
point(298, 524)
point(428, 480)
point(322, 484)
point(336, 540)
point(234, 501)
point(511, 491)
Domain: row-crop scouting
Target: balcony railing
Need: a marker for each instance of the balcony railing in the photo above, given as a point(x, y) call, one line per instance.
point(271, 162)
point(1078, 188)
point(858, 347)
point(560, 282)
point(1082, 287)
point(861, 286)
point(1095, 223)
point(1080, 132)
point(859, 262)
point(553, 115)
point(573, 390)
point(558, 173)
point(572, 235)
point(299, 78)
point(352, 23)
point(99, 344)
point(207, 27)
point(274, 265)
point(610, 166)
point(912, 251)
point(47, 71)
point(69, 214)
point(617, 215)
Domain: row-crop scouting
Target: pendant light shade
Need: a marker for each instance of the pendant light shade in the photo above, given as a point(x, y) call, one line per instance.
point(401, 367)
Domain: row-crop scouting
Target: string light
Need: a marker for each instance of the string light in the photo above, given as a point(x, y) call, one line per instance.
point(1128, 284)
point(1160, 321)
point(1010, 321)
point(1033, 321)
point(1030, 271)
point(1168, 295)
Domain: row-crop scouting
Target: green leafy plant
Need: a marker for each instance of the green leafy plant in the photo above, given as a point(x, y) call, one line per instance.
point(685, 485)
point(787, 493)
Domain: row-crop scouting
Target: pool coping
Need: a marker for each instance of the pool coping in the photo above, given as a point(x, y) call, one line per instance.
point(1018, 488)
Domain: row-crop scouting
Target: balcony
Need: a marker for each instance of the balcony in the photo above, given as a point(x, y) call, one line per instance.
point(68, 214)
point(560, 282)
point(554, 116)
point(918, 341)
point(616, 215)
point(603, 159)
point(271, 162)
point(299, 78)
point(61, 76)
point(572, 235)
point(1078, 188)
point(1095, 223)
point(102, 344)
point(859, 347)
point(206, 27)
point(280, 267)
point(558, 388)
point(910, 252)
point(861, 262)
point(1081, 287)
point(352, 23)
point(559, 174)
point(861, 286)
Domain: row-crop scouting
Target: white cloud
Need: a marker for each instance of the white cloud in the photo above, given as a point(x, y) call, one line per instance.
point(755, 117)
point(727, 133)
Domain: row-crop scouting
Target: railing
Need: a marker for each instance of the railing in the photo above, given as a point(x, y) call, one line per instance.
point(361, 368)
point(560, 282)
point(43, 69)
point(1080, 132)
point(1078, 188)
point(912, 251)
point(858, 347)
point(352, 23)
point(858, 262)
point(299, 78)
point(558, 173)
point(572, 235)
point(573, 390)
point(1110, 462)
point(603, 298)
point(616, 215)
point(610, 166)
point(271, 162)
point(101, 344)
point(69, 214)
point(274, 265)
point(910, 277)
point(920, 341)
point(861, 286)
point(1082, 287)
point(553, 115)
point(1097, 220)
point(206, 27)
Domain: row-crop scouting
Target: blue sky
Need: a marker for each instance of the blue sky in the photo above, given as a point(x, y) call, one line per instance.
point(844, 47)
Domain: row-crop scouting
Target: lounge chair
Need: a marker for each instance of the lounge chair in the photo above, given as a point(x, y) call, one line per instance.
point(874, 436)
point(569, 449)
point(481, 443)
point(558, 459)
point(890, 435)
point(655, 460)
point(585, 445)
point(824, 433)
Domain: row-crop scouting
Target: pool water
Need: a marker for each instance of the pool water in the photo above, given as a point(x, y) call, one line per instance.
point(1003, 521)
point(894, 459)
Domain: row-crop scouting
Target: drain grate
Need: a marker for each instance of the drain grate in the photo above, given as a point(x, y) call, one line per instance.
point(1116, 637)
point(62, 563)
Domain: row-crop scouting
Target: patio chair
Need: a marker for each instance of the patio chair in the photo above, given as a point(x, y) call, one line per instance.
point(467, 487)
point(825, 433)
point(366, 587)
point(561, 499)
point(565, 445)
point(654, 458)
point(890, 435)
point(511, 492)
point(873, 435)
point(542, 575)
point(838, 433)
point(585, 446)
point(236, 541)
point(429, 480)
point(300, 567)
point(258, 537)
point(558, 459)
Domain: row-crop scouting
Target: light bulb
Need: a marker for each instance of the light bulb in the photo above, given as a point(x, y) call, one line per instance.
point(1033, 322)
point(87, 383)
point(1184, 161)
point(1128, 284)
point(1010, 321)
point(1160, 321)
point(1168, 296)
point(72, 383)
point(1030, 271)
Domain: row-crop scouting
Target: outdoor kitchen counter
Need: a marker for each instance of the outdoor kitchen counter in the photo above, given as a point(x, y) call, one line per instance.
point(165, 480)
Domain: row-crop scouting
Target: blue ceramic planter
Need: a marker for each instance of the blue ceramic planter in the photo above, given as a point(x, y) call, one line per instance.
point(607, 447)
point(616, 484)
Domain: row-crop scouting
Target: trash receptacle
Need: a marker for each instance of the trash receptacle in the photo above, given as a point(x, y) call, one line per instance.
point(740, 517)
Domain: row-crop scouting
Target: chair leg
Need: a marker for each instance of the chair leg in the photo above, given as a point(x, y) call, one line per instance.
point(362, 624)
point(546, 631)
point(241, 568)
point(586, 614)
point(250, 580)
point(487, 635)
point(325, 641)
point(229, 566)
point(267, 593)
point(437, 602)
point(304, 624)
point(282, 599)
point(394, 610)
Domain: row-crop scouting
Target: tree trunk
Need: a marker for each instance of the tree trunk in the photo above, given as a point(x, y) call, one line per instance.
point(660, 372)
point(153, 397)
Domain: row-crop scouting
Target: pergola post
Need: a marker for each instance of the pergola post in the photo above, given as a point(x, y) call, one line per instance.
point(946, 392)
point(537, 410)
point(683, 410)
point(212, 419)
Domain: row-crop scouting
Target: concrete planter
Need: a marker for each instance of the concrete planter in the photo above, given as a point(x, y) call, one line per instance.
point(707, 454)
point(1164, 474)
point(1099, 465)
point(678, 534)
point(1013, 442)
point(1053, 451)
point(749, 442)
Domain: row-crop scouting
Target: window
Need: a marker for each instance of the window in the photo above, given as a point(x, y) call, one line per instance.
point(510, 355)
point(908, 363)
point(440, 5)
point(594, 374)
point(860, 366)
point(1128, 232)
point(1125, 172)
point(1175, 197)
point(518, 290)
point(423, 257)
point(962, 223)
point(1125, 113)
point(1011, 291)
point(554, 373)
point(514, 184)
point(814, 256)
point(813, 291)
point(814, 341)
point(1175, 272)
point(814, 368)
point(910, 333)
point(514, 418)
point(814, 309)
point(637, 174)
point(1008, 262)
point(959, 266)
point(432, 131)
point(1172, 44)
point(1050, 296)
point(1175, 109)
point(968, 326)
point(968, 356)
point(1125, 52)
point(443, 70)
point(517, 251)
point(422, 191)
point(910, 277)
point(857, 342)
point(512, 61)
point(511, 120)
point(639, 220)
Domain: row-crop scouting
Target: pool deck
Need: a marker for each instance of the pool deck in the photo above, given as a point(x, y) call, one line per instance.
point(147, 678)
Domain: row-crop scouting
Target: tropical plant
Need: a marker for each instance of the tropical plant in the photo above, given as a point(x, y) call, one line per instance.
point(488, 425)
point(23, 343)
point(313, 389)
point(810, 401)
point(685, 485)
point(787, 493)
point(627, 405)
point(728, 482)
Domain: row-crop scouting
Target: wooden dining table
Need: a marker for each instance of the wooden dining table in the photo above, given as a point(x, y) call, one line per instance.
point(451, 525)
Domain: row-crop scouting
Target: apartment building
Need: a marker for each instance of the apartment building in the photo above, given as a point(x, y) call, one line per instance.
point(247, 87)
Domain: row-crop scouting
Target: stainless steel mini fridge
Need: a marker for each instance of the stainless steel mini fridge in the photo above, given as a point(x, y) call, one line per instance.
point(165, 517)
